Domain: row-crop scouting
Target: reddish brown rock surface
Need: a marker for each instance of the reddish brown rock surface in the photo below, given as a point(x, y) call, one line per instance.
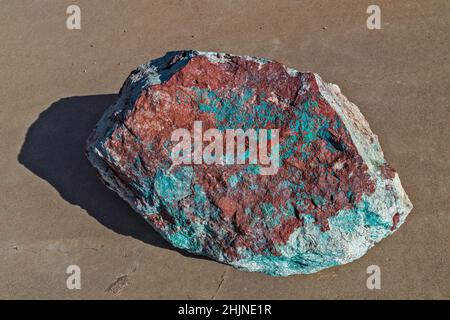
point(332, 197)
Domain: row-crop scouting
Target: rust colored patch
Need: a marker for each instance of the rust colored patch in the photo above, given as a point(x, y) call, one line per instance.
point(395, 220)
point(387, 171)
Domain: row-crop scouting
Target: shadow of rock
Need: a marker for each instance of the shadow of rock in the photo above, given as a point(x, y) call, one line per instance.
point(54, 150)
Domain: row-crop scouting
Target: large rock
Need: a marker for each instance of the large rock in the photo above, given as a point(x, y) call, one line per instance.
point(331, 199)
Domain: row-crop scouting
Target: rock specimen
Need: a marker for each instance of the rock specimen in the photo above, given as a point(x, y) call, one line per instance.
point(331, 197)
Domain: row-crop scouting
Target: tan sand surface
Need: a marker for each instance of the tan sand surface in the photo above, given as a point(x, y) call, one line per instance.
point(55, 84)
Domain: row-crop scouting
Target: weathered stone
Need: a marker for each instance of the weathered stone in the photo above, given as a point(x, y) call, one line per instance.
point(332, 198)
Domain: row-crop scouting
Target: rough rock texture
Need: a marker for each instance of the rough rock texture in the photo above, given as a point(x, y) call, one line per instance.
point(333, 197)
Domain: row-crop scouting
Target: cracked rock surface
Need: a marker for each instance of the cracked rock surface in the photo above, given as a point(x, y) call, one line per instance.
point(333, 197)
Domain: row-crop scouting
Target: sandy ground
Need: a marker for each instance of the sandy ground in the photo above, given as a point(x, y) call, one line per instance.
point(56, 83)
